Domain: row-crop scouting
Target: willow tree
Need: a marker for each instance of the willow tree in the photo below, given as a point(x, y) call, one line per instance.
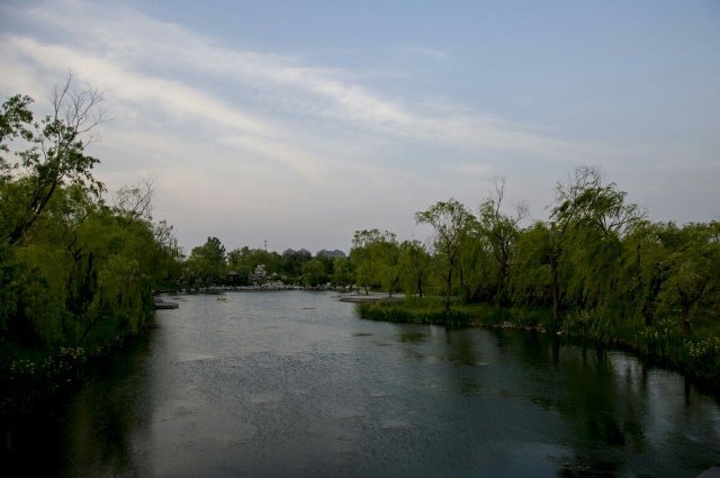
point(73, 271)
point(692, 268)
point(414, 264)
point(46, 191)
point(386, 254)
point(500, 232)
point(341, 271)
point(588, 221)
point(452, 222)
point(374, 257)
point(596, 249)
point(115, 283)
point(647, 265)
point(531, 282)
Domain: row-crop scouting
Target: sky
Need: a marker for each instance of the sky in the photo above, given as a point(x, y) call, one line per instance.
point(299, 122)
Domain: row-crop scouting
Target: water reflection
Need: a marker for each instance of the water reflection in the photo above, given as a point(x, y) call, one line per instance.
point(105, 420)
point(295, 384)
point(619, 409)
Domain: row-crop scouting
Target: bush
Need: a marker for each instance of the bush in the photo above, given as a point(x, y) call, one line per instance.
point(663, 338)
point(703, 356)
point(588, 323)
point(28, 381)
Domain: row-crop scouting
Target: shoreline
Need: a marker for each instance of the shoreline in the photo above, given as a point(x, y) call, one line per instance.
point(704, 380)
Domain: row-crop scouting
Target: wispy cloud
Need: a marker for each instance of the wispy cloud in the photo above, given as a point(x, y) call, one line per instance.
point(144, 59)
point(425, 52)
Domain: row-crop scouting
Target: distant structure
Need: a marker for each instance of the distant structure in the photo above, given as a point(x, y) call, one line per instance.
point(331, 254)
point(233, 277)
point(259, 276)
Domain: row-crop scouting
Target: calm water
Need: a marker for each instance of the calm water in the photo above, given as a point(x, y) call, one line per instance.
point(294, 384)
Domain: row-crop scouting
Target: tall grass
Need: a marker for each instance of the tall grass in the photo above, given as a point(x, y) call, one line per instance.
point(422, 313)
point(588, 323)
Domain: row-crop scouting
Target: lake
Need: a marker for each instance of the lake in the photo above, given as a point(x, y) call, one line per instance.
point(295, 384)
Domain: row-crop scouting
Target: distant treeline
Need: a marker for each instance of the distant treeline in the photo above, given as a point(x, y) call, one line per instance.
point(209, 264)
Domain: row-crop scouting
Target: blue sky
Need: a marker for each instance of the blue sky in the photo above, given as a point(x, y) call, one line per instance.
point(301, 121)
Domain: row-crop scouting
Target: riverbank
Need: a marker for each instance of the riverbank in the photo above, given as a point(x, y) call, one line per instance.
point(229, 288)
point(37, 382)
point(370, 298)
point(663, 343)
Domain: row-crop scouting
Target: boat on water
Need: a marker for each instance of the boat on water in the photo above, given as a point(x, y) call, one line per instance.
point(163, 304)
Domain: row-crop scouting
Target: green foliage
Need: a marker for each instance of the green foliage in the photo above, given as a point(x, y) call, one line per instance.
point(259, 266)
point(588, 323)
point(453, 224)
point(662, 338)
point(391, 312)
point(314, 273)
point(703, 356)
point(291, 264)
point(665, 339)
point(596, 269)
point(374, 258)
point(50, 156)
point(413, 268)
point(692, 266)
point(498, 233)
point(531, 316)
point(341, 272)
point(75, 274)
point(207, 263)
point(29, 382)
point(531, 281)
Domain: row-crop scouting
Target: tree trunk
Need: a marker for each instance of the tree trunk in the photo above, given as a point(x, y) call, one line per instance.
point(499, 290)
point(555, 292)
point(501, 282)
point(449, 289)
point(648, 312)
point(687, 326)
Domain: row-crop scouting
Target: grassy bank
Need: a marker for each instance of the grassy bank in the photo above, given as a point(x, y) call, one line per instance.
point(415, 312)
point(433, 311)
point(663, 342)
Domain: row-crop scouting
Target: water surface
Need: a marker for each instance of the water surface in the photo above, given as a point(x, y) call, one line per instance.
point(294, 384)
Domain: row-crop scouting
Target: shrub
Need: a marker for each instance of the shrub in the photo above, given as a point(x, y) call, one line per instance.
point(401, 314)
point(663, 338)
point(703, 356)
point(588, 323)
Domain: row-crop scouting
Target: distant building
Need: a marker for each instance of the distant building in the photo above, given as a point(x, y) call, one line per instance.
point(233, 277)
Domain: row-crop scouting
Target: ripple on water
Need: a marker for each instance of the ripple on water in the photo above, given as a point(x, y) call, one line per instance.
point(294, 384)
point(194, 357)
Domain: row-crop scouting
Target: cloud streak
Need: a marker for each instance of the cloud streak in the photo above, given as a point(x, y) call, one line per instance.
point(134, 51)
